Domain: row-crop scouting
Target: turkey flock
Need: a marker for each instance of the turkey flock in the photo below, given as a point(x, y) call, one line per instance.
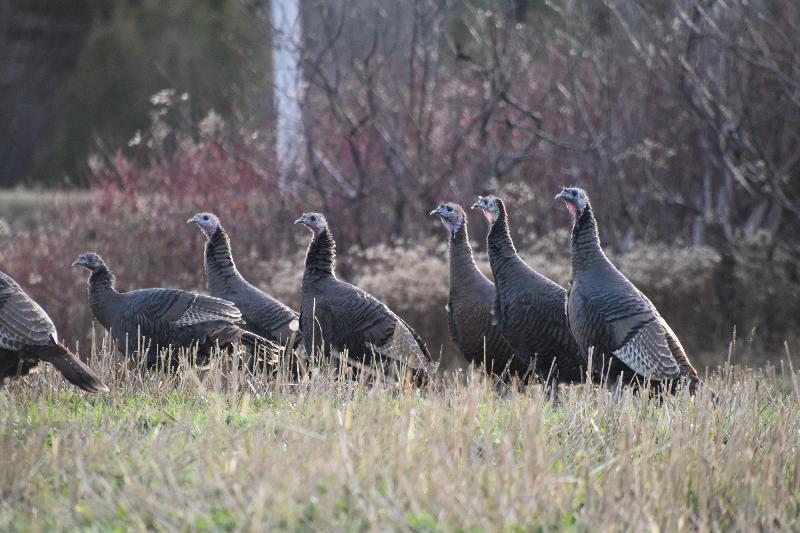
point(523, 326)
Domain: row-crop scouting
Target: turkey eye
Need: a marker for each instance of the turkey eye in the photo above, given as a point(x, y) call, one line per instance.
point(313, 218)
point(450, 208)
point(205, 217)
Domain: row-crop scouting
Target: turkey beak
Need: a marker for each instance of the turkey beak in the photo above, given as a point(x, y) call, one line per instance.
point(193, 219)
point(561, 195)
point(300, 220)
point(77, 263)
point(437, 211)
point(476, 205)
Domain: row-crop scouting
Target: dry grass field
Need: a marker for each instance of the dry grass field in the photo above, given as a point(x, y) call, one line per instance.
point(220, 451)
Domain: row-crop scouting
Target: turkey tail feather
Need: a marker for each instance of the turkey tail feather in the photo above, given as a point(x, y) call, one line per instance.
point(73, 370)
point(259, 346)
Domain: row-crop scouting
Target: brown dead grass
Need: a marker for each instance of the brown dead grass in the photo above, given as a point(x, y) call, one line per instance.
point(216, 451)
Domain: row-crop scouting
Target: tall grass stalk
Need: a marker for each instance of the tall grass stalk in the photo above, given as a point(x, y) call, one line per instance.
point(220, 449)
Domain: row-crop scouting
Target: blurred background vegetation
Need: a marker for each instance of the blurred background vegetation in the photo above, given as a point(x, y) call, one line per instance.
point(680, 117)
point(80, 75)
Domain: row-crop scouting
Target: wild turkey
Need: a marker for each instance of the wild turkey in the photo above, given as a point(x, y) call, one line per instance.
point(528, 307)
point(264, 315)
point(470, 303)
point(28, 337)
point(346, 323)
point(606, 312)
point(145, 321)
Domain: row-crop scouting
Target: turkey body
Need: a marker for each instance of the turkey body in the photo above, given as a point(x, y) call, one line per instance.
point(531, 310)
point(28, 337)
point(264, 315)
point(146, 320)
point(470, 311)
point(336, 316)
point(609, 315)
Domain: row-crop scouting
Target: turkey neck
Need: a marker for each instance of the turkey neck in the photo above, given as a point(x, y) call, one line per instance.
point(221, 272)
point(502, 254)
point(462, 263)
point(586, 250)
point(321, 257)
point(102, 295)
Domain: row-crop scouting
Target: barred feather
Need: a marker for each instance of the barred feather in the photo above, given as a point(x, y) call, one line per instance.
point(531, 310)
point(263, 314)
point(470, 309)
point(609, 314)
point(338, 317)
